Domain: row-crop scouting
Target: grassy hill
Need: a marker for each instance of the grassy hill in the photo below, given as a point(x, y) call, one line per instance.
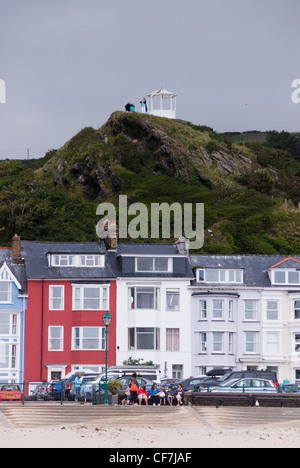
point(250, 192)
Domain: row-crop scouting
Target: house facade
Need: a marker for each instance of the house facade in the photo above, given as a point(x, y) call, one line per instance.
point(13, 302)
point(246, 314)
point(70, 288)
point(153, 306)
point(186, 313)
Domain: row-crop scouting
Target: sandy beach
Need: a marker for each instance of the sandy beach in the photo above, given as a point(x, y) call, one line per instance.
point(93, 435)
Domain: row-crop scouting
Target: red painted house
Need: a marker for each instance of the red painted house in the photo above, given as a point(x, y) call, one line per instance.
point(70, 288)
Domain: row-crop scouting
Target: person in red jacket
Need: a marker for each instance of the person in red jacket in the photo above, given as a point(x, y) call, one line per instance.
point(143, 395)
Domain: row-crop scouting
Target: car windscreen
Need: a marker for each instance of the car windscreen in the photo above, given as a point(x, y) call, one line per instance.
point(9, 388)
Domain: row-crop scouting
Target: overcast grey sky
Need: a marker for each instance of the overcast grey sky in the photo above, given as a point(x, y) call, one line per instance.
point(68, 64)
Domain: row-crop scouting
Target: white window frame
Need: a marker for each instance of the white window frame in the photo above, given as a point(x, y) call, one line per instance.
point(101, 338)
point(134, 332)
point(52, 298)
point(172, 339)
point(215, 309)
point(228, 276)
point(77, 260)
point(271, 310)
point(153, 261)
point(9, 354)
point(230, 343)
point(203, 342)
point(13, 323)
point(254, 310)
point(132, 299)
point(203, 309)
point(294, 308)
point(296, 343)
point(8, 292)
point(253, 343)
point(217, 343)
point(51, 339)
point(79, 288)
point(270, 342)
point(286, 273)
point(174, 292)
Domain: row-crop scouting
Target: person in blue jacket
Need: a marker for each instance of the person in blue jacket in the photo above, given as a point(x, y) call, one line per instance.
point(154, 395)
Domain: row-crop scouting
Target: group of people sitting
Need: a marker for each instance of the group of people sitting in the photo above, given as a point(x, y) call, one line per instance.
point(157, 396)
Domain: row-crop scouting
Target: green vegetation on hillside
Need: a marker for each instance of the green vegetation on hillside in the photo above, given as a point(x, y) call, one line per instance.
point(250, 192)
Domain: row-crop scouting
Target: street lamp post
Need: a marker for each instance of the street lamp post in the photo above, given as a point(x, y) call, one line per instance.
point(106, 320)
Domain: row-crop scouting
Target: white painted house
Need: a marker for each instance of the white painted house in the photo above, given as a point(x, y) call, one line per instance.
point(246, 314)
point(154, 306)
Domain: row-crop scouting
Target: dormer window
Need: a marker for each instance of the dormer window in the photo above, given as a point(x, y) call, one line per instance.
point(76, 261)
point(153, 265)
point(288, 277)
point(218, 275)
point(285, 272)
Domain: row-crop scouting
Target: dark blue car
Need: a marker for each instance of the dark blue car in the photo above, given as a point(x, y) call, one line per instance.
point(56, 389)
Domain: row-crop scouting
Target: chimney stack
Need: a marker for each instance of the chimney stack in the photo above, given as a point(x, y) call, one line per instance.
point(16, 249)
point(182, 246)
point(111, 238)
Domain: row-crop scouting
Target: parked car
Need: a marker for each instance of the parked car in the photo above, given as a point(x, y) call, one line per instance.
point(11, 392)
point(191, 383)
point(55, 389)
point(256, 374)
point(289, 388)
point(167, 382)
point(247, 385)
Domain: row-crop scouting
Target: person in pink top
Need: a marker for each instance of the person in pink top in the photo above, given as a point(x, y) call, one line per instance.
point(143, 395)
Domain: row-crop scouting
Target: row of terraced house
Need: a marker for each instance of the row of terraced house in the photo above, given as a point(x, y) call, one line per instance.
point(186, 313)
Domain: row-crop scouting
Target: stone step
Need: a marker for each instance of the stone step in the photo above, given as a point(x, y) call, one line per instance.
point(42, 415)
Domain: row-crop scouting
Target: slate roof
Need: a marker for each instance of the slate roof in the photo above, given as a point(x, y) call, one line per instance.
point(255, 267)
point(36, 261)
point(146, 249)
point(117, 263)
point(17, 270)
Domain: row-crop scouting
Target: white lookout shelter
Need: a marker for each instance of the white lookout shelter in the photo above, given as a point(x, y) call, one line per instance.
point(162, 103)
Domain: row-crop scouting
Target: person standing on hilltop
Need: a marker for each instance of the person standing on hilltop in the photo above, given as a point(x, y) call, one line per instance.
point(143, 103)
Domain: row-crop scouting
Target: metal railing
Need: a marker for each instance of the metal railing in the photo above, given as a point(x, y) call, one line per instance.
point(49, 391)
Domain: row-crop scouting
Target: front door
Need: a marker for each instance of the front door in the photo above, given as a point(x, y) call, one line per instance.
point(55, 375)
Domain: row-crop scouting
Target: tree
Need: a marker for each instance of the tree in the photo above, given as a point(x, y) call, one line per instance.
point(137, 362)
point(284, 141)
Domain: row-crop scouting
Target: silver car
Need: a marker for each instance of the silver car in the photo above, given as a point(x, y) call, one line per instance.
point(250, 385)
